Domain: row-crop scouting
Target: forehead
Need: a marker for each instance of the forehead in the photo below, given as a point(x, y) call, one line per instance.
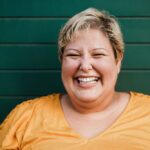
point(89, 38)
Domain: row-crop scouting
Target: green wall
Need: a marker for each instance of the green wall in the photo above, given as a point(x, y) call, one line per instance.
point(28, 46)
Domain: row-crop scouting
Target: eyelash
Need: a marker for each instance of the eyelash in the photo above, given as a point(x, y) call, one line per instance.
point(72, 55)
point(99, 55)
point(96, 55)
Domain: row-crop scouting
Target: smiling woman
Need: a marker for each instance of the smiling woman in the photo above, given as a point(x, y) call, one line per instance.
point(92, 114)
point(89, 70)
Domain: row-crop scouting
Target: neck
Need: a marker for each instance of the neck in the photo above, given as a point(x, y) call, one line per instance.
point(100, 105)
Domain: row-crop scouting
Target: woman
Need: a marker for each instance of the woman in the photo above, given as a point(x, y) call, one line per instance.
point(92, 115)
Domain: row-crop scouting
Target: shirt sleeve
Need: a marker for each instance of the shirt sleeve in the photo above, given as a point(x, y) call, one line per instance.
point(13, 127)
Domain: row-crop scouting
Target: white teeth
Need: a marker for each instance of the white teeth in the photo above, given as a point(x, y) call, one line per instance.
point(88, 79)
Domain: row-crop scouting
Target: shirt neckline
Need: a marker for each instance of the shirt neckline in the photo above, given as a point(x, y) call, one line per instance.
point(99, 135)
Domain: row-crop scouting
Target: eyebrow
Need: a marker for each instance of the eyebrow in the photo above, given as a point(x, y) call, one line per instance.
point(71, 49)
point(99, 48)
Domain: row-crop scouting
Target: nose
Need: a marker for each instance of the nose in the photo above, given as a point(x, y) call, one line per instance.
point(85, 64)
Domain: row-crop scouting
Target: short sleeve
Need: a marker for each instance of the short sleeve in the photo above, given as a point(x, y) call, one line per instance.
point(13, 127)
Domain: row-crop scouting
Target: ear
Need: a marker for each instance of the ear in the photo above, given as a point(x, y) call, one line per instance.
point(119, 61)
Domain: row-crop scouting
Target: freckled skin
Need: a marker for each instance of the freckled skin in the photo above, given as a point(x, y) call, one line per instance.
point(90, 54)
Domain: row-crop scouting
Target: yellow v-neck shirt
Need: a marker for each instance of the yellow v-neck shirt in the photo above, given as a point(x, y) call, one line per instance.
point(40, 124)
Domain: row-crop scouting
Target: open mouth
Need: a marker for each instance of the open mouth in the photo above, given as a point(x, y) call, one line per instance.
point(87, 79)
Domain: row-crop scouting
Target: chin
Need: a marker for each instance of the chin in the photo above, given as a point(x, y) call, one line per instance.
point(88, 97)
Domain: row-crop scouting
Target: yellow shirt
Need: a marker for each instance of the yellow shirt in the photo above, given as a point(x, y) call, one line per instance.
point(40, 124)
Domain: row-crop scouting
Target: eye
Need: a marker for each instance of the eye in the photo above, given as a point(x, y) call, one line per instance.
point(98, 55)
point(73, 55)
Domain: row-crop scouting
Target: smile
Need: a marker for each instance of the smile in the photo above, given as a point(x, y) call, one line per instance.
point(87, 79)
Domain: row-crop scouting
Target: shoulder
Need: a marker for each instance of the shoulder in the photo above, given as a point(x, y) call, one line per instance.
point(26, 109)
point(140, 101)
point(39, 102)
point(42, 101)
point(20, 117)
point(140, 97)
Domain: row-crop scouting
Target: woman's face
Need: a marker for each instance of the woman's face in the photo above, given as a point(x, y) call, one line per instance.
point(89, 68)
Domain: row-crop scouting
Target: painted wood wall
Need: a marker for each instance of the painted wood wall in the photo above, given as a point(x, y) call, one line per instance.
point(28, 46)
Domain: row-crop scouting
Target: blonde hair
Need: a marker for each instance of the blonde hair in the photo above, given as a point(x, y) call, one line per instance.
point(92, 18)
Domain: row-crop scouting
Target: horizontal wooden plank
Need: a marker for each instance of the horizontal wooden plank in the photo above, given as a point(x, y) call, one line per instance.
point(134, 81)
point(29, 57)
point(63, 8)
point(29, 83)
point(41, 83)
point(46, 30)
point(136, 57)
point(40, 57)
point(136, 30)
point(22, 31)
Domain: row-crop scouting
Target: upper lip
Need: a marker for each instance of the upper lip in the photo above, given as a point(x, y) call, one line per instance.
point(85, 76)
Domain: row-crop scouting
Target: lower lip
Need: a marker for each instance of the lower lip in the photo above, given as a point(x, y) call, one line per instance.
point(86, 85)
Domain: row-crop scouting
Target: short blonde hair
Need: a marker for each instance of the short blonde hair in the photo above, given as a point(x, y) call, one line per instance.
point(92, 18)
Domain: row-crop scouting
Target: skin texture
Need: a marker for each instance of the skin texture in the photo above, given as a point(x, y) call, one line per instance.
point(90, 55)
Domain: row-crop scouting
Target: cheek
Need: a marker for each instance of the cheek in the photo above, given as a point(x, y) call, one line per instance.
point(68, 71)
point(107, 69)
point(68, 68)
point(112, 73)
